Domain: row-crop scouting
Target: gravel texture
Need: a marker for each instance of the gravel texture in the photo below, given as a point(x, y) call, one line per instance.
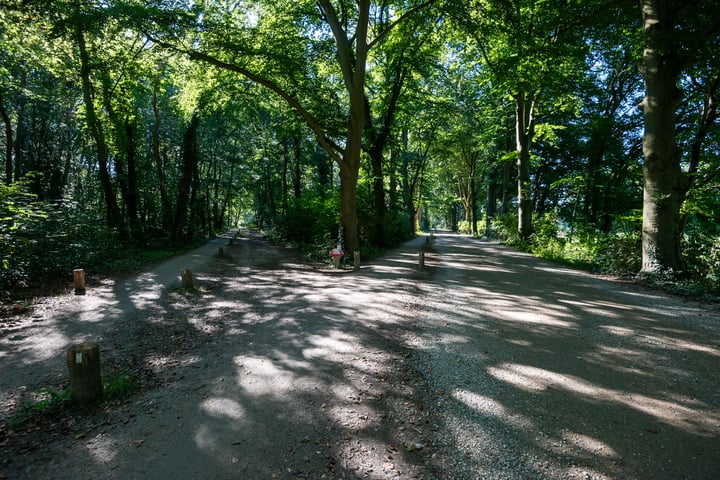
point(485, 364)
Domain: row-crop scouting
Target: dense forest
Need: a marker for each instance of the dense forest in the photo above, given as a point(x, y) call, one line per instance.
point(581, 130)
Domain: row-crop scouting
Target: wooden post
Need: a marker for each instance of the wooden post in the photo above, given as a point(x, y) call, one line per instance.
point(79, 281)
point(231, 240)
point(83, 361)
point(356, 260)
point(421, 261)
point(187, 278)
point(220, 250)
point(336, 261)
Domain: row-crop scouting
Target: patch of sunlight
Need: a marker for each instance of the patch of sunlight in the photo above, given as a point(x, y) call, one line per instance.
point(451, 339)
point(680, 344)
point(698, 421)
point(521, 343)
point(591, 307)
point(204, 439)
point(590, 445)
point(223, 408)
point(103, 448)
point(619, 331)
point(39, 347)
point(335, 341)
point(534, 318)
point(260, 376)
point(491, 408)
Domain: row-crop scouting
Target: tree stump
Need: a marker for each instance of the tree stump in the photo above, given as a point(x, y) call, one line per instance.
point(79, 281)
point(187, 278)
point(356, 260)
point(83, 361)
point(421, 261)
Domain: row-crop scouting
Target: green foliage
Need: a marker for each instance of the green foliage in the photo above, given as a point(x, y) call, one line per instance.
point(311, 225)
point(48, 400)
point(119, 386)
point(701, 255)
point(19, 217)
point(51, 401)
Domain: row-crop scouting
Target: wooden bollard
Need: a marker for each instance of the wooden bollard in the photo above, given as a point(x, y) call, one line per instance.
point(421, 261)
point(220, 250)
point(83, 361)
point(187, 278)
point(356, 260)
point(79, 281)
point(231, 240)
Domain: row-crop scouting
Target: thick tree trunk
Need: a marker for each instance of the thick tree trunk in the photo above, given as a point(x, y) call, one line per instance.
point(297, 168)
point(353, 64)
point(665, 184)
point(114, 213)
point(524, 127)
point(473, 206)
point(167, 212)
point(189, 159)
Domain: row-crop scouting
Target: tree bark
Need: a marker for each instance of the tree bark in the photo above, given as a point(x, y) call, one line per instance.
point(665, 185)
point(189, 159)
point(114, 214)
point(167, 212)
point(353, 64)
point(524, 131)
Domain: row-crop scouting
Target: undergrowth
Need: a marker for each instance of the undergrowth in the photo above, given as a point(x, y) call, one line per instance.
point(52, 401)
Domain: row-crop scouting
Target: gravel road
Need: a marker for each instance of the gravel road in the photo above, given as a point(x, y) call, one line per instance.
point(486, 364)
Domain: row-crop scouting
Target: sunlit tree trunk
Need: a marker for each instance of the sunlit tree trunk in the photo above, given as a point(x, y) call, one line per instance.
point(524, 132)
point(665, 183)
point(352, 62)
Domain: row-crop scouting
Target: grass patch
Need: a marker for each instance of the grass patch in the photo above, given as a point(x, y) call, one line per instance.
point(48, 400)
point(119, 387)
point(53, 401)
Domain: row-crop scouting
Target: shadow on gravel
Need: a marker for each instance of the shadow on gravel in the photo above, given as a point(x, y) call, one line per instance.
point(546, 372)
point(269, 368)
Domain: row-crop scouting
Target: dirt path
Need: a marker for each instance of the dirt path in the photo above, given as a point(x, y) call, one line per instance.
point(545, 372)
point(493, 365)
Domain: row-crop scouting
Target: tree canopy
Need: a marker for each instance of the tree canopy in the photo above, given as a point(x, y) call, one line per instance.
point(583, 130)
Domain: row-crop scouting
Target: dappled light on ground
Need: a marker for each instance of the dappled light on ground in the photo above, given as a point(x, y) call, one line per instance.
point(581, 376)
point(486, 364)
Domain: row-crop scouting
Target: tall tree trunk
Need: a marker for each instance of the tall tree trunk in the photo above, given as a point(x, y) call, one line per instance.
point(665, 184)
point(167, 212)
point(8, 141)
point(524, 131)
point(189, 160)
point(297, 169)
point(114, 214)
point(353, 64)
point(132, 196)
point(285, 193)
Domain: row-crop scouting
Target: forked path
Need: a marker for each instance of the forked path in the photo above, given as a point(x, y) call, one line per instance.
point(488, 364)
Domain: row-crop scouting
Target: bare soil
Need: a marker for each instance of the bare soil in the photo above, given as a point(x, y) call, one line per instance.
point(487, 363)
